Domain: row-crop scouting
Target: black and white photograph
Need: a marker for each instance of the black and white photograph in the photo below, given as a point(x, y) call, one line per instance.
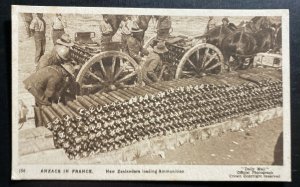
point(150, 94)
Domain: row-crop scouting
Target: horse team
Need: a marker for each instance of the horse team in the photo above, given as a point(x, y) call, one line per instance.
point(239, 46)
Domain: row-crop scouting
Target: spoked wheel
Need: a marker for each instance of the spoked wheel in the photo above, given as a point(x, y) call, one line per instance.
point(200, 60)
point(108, 71)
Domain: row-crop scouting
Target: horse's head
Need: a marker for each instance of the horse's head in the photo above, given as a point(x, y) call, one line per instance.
point(258, 23)
point(217, 34)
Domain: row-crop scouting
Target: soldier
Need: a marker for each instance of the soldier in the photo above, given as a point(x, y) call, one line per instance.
point(153, 66)
point(27, 17)
point(125, 27)
point(58, 27)
point(134, 45)
point(48, 83)
point(59, 55)
point(106, 30)
point(226, 23)
point(211, 23)
point(38, 27)
point(164, 25)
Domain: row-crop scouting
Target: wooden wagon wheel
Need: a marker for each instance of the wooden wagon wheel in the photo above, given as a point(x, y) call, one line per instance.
point(200, 60)
point(108, 71)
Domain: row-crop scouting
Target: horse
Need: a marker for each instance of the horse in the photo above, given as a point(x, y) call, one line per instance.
point(257, 23)
point(242, 45)
point(216, 35)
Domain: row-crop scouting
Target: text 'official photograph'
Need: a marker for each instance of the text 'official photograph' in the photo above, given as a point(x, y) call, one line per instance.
point(150, 94)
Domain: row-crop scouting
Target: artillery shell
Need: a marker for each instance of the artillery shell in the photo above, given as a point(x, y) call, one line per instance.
point(45, 119)
point(99, 101)
point(47, 110)
point(151, 89)
point(129, 92)
point(119, 94)
point(37, 116)
point(74, 106)
point(91, 100)
point(62, 114)
point(123, 92)
point(66, 110)
point(104, 98)
point(143, 90)
point(76, 115)
point(84, 102)
point(115, 95)
point(111, 98)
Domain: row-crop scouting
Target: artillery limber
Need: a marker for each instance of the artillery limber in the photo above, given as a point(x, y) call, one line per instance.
point(190, 57)
point(103, 67)
point(106, 68)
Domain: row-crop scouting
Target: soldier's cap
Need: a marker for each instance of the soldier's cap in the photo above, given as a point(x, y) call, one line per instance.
point(225, 19)
point(65, 40)
point(160, 48)
point(62, 51)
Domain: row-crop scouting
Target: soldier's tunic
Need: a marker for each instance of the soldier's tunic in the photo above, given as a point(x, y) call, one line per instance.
point(164, 25)
point(125, 27)
point(38, 26)
point(210, 24)
point(107, 32)
point(46, 84)
point(134, 48)
point(152, 65)
point(58, 28)
point(48, 59)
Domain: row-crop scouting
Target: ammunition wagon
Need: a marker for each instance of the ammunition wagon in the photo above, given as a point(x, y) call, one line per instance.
point(106, 68)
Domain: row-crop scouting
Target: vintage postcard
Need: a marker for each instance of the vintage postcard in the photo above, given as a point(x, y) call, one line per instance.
point(150, 94)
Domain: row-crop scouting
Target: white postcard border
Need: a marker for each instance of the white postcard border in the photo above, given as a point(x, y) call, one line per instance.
point(191, 172)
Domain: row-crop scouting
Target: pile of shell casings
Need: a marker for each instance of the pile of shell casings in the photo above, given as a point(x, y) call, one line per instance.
point(104, 122)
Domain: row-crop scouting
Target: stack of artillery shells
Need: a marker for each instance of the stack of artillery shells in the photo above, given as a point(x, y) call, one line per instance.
point(104, 122)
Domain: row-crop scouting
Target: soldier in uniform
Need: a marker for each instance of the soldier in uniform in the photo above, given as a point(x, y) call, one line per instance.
point(164, 25)
point(125, 27)
point(38, 27)
point(106, 30)
point(153, 66)
point(46, 84)
point(27, 17)
point(58, 56)
point(134, 45)
point(58, 27)
point(211, 23)
point(226, 23)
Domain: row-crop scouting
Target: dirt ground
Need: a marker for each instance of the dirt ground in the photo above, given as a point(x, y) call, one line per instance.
point(261, 145)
